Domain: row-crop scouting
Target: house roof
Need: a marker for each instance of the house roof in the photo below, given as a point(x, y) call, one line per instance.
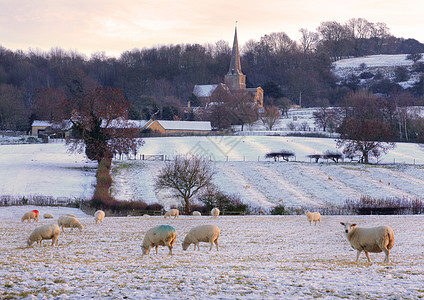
point(205, 90)
point(40, 123)
point(184, 125)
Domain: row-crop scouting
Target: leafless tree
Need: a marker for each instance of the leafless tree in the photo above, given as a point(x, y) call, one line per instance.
point(186, 176)
point(308, 40)
point(270, 116)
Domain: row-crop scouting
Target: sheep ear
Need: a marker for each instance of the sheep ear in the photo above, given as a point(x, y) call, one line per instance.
point(342, 223)
point(353, 225)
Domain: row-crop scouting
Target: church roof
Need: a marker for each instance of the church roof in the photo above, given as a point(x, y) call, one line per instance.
point(205, 90)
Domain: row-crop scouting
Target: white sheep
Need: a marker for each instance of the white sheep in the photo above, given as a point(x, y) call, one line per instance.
point(215, 212)
point(162, 235)
point(375, 239)
point(197, 213)
point(172, 213)
point(48, 216)
point(45, 232)
point(203, 233)
point(313, 217)
point(99, 216)
point(31, 215)
point(69, 222)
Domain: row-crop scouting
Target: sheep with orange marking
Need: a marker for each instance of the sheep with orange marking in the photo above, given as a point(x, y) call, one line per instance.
point(31, 215)
point(313, 217)
point(375, 240)
point(45, 232)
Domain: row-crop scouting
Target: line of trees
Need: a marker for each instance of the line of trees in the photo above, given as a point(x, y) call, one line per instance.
point(159, 81)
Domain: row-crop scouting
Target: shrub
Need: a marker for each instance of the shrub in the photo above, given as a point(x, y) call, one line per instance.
point(154, 206)
point(278, 210)
point(389, 206)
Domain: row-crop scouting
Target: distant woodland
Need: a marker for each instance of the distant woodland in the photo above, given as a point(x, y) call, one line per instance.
point(159, 81)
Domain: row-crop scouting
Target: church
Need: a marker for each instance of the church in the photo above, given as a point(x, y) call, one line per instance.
point(235, 81)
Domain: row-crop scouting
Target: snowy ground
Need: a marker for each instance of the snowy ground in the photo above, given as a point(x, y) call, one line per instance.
point(260, 257)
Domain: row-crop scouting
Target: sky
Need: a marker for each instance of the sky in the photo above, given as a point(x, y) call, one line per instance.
point(113, 27)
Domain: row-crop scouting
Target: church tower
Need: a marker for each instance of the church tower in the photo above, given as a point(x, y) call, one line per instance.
point(235, 79)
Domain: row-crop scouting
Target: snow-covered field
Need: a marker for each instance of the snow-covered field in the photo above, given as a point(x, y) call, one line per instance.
point(260, 257)
point(48, 170)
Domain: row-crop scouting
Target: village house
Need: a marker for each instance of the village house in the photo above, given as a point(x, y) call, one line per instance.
point(167, 128)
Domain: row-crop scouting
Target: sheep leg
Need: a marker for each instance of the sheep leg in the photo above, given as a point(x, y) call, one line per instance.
point(216, 243)
point(387, 253)
point(170, 250)
point(358, 252)
point(211, 246)
point(157, 249)
point(368, 255)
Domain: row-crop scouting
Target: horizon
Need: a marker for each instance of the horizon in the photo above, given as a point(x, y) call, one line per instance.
point(97, 27)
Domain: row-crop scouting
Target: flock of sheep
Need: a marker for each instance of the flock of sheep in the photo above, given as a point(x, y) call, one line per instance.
point(374, 240)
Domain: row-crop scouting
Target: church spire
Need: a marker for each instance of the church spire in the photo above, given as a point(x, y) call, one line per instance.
point(235, 79)
point(235, 66)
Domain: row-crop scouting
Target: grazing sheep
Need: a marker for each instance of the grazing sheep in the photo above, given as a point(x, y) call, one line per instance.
point(197, 213)
point(45, 232)
point(203, 233)
point(215, 212)
point(313, 217)
point(248, 186)
point(99, 216)
point(261, 212)
point(70, 222)
point(48, 216)
point(31, 215)
point(330, 178)
point(162, 235)
point(376, 240)
point(172, 213)
point(381, 181)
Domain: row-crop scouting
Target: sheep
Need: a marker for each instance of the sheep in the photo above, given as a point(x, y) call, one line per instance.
point(162, 235)
point(68, 221)
point(45, 232)
point(381, 180)
point(215, 212)
point(313, 217)
point(48, 216)
point(375, 239)
point(197, 213)
point(71, 215)
point(261, 212)
point(99, 216)
point(31, 215)
point(172, 213)
point(330, 178)
point(248, 186)
point(203, 233)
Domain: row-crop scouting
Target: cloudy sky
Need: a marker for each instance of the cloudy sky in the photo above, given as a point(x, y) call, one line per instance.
point(113, 26)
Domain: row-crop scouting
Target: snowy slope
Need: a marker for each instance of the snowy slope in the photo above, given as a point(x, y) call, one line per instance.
point(49, 170)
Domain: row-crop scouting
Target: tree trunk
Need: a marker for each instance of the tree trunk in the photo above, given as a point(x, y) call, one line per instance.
point(187, 205)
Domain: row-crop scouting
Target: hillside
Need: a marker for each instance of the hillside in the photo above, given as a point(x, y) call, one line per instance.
point(49, 170)
point(383, 64)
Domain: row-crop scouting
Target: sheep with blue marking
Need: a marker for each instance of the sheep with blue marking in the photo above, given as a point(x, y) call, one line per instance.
point(162, 235)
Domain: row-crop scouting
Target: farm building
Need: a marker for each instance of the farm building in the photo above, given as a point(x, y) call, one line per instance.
point(164, 127)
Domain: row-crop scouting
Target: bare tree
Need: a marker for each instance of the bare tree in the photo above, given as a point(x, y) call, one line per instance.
point(186, 176)
point(270, 116)
point(308, 40)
